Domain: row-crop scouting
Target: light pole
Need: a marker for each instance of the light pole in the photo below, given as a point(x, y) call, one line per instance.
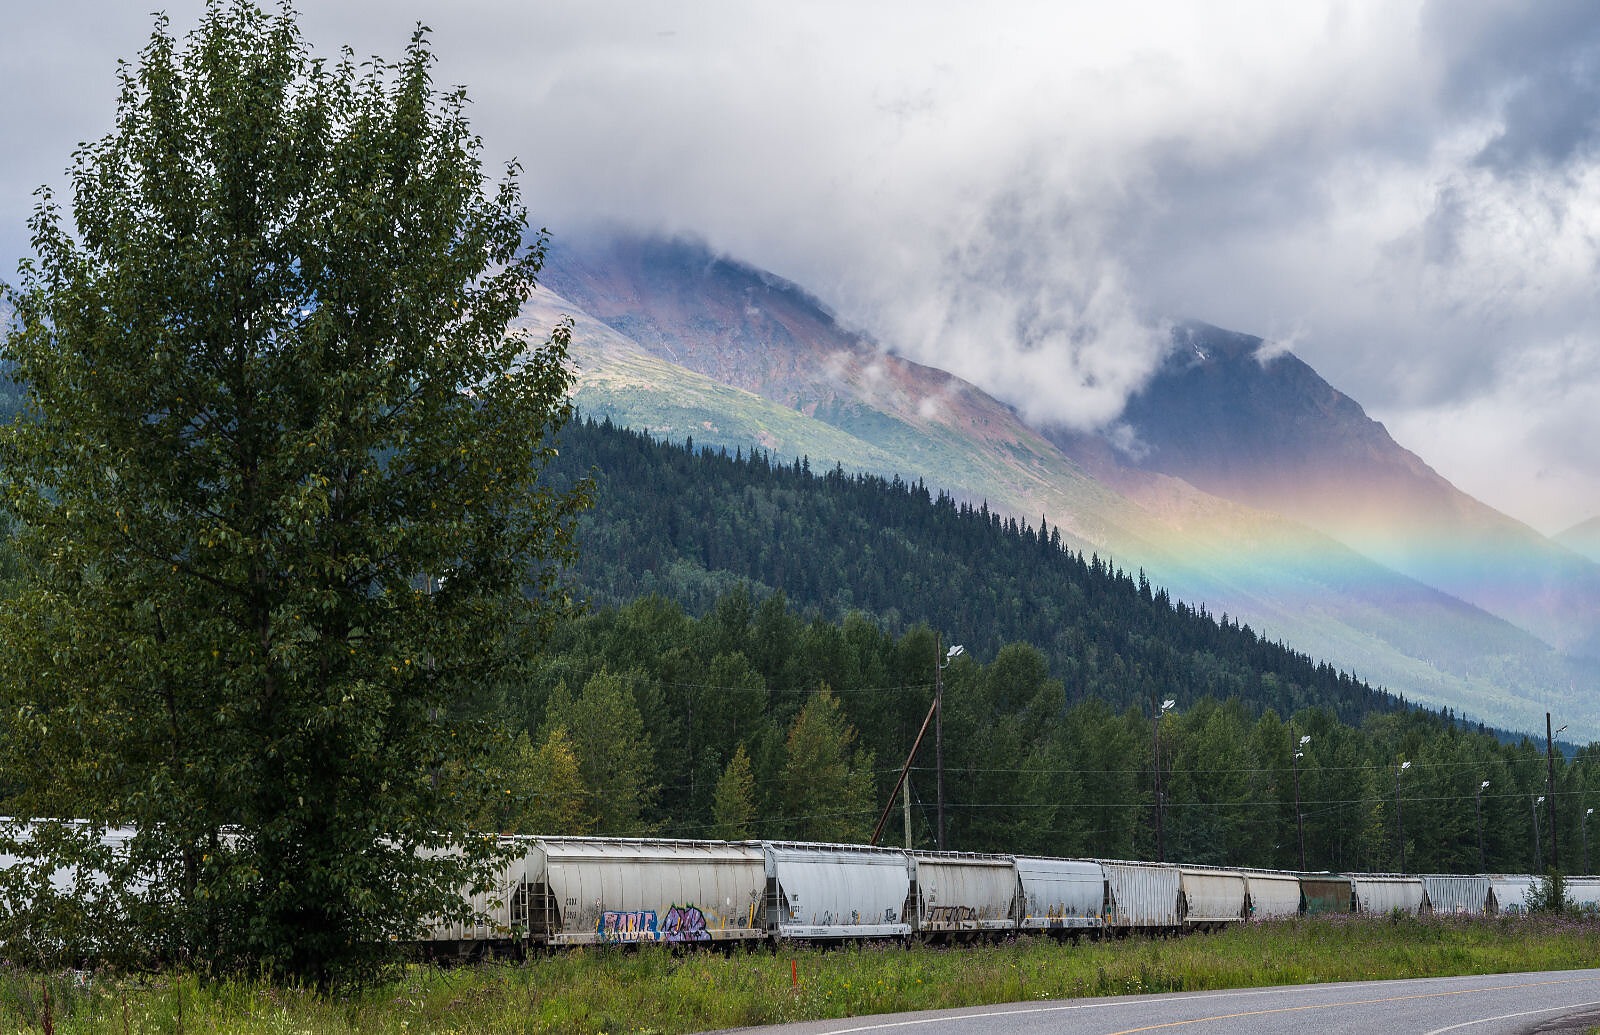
point(938, 724)
point(1586, 814)
point(1538, 856)
point(1550, 786)
point(1299, 820)
point(905, 810)
point(1161, 839)
point(1399, 817)
point(1483, 867)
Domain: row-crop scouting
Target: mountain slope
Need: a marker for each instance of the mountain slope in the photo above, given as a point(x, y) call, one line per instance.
point(690, 524)
point(1270, 433)
point(662, 322)
point(744, 328)
point(1583, 538)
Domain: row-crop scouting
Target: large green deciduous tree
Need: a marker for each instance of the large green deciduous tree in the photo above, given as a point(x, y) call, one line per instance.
point(279, 479)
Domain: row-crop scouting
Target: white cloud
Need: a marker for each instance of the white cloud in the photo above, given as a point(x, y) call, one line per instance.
point(1404, 190)
point(1527, 436)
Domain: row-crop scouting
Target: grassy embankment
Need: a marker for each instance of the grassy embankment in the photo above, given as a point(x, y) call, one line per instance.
point(658, 991)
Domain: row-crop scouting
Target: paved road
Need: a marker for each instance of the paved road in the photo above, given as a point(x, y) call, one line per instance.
point(1555, 1001)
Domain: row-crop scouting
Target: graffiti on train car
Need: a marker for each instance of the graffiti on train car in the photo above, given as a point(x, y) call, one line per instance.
point(638, 925)
point(1038, 910)
point(952, 915)
point(684, 924)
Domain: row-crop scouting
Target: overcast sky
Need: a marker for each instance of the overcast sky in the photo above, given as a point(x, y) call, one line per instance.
point(1406, 194)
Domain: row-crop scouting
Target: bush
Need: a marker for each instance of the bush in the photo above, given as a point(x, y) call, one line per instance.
point(1548, 894)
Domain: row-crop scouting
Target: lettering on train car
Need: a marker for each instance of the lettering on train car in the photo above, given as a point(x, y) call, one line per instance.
point(637, 925)
point(952, 914)
point(684, 924)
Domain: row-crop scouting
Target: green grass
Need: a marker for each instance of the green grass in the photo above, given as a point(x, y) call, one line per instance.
point(657, 991)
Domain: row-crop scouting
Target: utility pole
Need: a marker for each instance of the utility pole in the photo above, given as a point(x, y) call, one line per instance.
point(1155, 776)
point(941, 662)
point(1586, 814)
point(1399, 817)
point(1155, 755)
point(1538, 855)
point(903, 781)
point(938, 728)
point(1550, 787)
point(1483, 867)
point(905, 799)
point(1299, 819)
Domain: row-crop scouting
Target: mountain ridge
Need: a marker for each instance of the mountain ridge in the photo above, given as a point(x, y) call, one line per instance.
point(1273, 434)
point(719, 320)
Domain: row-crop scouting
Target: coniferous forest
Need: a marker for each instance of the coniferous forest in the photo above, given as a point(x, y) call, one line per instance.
point(761, 651)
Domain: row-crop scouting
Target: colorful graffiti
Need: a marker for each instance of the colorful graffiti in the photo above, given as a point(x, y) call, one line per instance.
point(684, 924)
point(635, 926)
point(679, 924)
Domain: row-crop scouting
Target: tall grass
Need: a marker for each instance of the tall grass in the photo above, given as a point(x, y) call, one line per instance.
point(655, 990)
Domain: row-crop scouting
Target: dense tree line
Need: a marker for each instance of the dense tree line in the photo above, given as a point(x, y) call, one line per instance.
point(763, 653)
point(754, 720)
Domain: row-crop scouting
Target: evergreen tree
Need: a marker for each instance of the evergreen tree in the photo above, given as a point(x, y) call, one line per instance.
point(733, 811)
point(825, 785)
point(615, 757)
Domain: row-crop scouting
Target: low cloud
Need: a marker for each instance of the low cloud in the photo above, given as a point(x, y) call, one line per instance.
point(1030, 304)
point(1273, 347)
point(1527, 435)
point(1403, 191)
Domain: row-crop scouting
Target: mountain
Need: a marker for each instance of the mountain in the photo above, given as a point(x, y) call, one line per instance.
point(673, 339)
point(682, 308)
point(1583, 538)
point(794, 577)
point(693, 525)
point(1263, 429)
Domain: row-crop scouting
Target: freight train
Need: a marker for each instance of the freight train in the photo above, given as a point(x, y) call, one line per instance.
point(559, 892)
